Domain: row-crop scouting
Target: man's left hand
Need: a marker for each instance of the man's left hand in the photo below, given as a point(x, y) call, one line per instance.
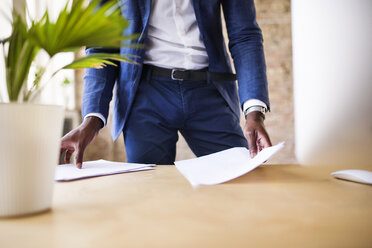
point(255, 132)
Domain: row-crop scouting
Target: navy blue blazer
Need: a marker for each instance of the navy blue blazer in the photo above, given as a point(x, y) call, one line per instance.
point(245, 44)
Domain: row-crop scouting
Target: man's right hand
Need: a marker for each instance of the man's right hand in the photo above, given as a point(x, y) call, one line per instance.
point(79, 138)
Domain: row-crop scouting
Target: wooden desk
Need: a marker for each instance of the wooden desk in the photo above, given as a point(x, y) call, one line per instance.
point(273, 206)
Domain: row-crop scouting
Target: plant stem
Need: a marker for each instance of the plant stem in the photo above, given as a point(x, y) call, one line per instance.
point(34, 86)
point(34, 93)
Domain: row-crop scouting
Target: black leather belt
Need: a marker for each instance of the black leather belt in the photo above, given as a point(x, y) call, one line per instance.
point(192, 75)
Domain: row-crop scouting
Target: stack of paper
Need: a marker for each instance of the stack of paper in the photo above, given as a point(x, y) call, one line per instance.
point(223, 166)
point(68, 172)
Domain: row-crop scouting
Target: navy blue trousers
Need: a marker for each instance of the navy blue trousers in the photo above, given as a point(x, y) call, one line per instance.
point(163, 106)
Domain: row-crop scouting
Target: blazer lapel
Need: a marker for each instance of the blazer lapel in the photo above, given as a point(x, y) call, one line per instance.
point(196, 8)
point(145, 8)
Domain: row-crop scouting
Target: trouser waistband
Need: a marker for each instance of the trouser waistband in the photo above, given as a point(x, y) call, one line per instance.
point(191, 75)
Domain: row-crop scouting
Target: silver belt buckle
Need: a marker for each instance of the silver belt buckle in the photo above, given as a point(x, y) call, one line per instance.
point(174, 72)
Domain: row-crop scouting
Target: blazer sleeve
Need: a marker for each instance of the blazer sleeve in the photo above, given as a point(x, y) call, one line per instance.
point(99, 83)
point(246, 47)
point(98, 86)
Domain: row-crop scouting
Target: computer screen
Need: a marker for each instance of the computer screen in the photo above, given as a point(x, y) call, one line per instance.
point(332, 70)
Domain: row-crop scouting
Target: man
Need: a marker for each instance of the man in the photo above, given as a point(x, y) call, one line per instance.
point(183, 82)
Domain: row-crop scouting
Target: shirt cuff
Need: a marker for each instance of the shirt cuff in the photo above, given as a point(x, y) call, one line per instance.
point(253, 102)
point(98, 115)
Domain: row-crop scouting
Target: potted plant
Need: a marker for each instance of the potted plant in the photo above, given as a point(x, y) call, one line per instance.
point(30, 133)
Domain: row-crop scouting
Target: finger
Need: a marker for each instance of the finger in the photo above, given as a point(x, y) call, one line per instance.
point(68, 156)
point(252, 145)
point(259, 145)
point(62, 151)
point(264, 139)
point(79, 158)
point(61, 155)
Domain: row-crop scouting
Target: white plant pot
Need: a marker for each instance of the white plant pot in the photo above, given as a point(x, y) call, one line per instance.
point(29, 149)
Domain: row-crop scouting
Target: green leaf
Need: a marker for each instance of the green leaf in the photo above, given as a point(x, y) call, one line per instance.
point(20, 55)
point(99, 60)
point(77, 26)
point(92, 26)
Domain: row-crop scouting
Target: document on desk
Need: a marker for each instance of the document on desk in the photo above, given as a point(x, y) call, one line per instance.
point(69, 172)
point(223, 166)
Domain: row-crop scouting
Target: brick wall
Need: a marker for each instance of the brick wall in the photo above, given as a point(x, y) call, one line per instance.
point(274, 18)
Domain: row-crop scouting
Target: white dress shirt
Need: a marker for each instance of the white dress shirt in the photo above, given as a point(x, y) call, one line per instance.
point(174, 41)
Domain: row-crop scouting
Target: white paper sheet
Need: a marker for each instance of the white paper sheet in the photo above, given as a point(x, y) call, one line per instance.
point(68, 172)
point(223, 166)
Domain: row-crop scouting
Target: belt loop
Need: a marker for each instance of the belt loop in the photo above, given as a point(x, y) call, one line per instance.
point(208, 77)
point(148, 71)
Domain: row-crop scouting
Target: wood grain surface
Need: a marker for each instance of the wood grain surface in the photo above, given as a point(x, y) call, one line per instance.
point(273, 206)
